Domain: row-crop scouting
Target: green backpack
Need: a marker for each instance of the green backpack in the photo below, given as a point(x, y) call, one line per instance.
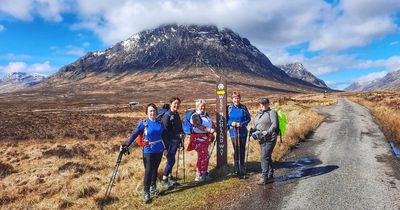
point(282, 122)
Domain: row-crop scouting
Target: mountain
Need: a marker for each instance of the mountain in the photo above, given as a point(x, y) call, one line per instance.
point(19, 80)
point(175, 59)
point(389, 81)
point(297, 70)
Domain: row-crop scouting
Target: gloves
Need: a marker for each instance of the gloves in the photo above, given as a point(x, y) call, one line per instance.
point(124, 149)
point(254, 136)
point(252, 130)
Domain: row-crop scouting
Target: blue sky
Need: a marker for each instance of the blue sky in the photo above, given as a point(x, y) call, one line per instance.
point(338, 41)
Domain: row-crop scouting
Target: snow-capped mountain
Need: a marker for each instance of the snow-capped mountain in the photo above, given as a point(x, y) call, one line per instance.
point(19, 80)
point(173, 47)
point(297, 70)
point(389, 81)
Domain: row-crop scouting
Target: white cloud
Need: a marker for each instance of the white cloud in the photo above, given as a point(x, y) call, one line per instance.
point(86, 44)
point(75, 51)
point(2, 28)
point(394, 43)
point(371, 76)
point(23, 67)
point(12, 56)
point(26, 9)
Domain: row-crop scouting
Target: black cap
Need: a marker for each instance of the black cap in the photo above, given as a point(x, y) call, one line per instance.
point(264, 101)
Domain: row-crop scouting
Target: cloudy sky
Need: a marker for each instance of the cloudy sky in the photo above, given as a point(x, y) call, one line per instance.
point(338, 41)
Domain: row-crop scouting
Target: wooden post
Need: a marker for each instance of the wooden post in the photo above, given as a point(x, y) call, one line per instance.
point(221, 123)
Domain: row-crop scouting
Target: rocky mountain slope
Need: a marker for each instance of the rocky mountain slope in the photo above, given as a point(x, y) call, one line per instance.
point(390, 81)
point(297, 70)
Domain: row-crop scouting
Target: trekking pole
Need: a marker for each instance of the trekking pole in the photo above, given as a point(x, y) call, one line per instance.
point(247, 152)
point(183, 158)
point(114, 174)
point(177, 165)
point(240, 152)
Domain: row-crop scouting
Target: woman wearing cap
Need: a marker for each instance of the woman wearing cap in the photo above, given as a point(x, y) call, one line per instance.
point(202, 135)
point(266, 131)
point(238, 118)
point(152, 131)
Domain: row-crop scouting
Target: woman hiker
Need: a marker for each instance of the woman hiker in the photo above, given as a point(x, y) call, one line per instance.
point(200, 138)
point(153, 147)
point(266, 131)
point(238, 118)
point(173, 139)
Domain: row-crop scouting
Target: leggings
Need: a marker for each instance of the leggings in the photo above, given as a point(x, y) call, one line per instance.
point(151, 162)
point(239, 152)
point(172, 148)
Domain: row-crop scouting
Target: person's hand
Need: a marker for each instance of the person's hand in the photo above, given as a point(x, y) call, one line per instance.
point(254, 136)
point(165, 153)
point(237, 124)
point(124, 149)
point(182, 136)
point(233, 124)
point(264, 133)
point(212, 130)
point(252, 130)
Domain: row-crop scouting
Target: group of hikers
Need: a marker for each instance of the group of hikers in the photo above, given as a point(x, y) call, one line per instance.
point(164, 136)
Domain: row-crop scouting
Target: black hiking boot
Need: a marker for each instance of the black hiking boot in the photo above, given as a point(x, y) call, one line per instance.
point(146, 197)
point(153, 191)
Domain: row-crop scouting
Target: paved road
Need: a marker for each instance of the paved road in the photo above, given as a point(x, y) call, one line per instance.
point(346, 164)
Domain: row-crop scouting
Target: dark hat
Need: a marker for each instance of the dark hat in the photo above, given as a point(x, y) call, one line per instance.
point(264, 101)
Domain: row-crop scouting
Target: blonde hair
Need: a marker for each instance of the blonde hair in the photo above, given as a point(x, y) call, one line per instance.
point(200, 102)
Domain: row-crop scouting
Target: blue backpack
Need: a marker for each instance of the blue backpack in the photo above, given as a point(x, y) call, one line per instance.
point(160, 114)
point(187, 126)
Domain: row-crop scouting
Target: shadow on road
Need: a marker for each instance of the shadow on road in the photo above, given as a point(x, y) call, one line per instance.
point(303, 173)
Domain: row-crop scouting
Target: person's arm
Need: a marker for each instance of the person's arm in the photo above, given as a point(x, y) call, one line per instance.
point(196, 122)
point(274, 122)
point(228, 117)
point(166, 122)
point(246, 117)
point(139, 129)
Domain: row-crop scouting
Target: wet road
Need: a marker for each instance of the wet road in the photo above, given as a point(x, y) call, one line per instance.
point(346, 164)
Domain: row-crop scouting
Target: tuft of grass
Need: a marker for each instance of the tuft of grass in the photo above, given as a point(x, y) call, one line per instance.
point(6, 169)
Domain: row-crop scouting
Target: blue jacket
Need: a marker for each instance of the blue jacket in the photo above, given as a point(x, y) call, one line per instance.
point(238, 114)
point(155, 131)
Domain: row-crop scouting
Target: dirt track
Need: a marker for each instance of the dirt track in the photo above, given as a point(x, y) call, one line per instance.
point(346, 164)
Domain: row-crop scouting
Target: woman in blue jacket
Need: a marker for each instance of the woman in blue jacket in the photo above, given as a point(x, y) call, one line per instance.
point(238, 118)
point(152, 131)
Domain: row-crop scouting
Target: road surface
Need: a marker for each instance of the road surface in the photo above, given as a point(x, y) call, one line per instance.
point(346, 164)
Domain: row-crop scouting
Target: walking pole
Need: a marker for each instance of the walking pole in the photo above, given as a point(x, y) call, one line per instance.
point(184, 165)
point(247, 152)
point(114, 174)
point(240, 152)
point(177, 166)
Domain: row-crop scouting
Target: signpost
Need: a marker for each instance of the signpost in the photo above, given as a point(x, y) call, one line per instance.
point(221, 123)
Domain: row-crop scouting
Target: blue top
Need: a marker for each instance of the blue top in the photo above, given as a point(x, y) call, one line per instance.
point(154, 133)
point(238, 114)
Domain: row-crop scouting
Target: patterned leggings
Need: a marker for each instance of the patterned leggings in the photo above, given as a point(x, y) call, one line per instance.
point(202, 156)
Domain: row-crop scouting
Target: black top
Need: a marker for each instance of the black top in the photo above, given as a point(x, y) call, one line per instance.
point(172, 124)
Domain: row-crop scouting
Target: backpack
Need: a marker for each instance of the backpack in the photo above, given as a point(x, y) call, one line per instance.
point(140, 138)
point(161, 113)
point(281, 122)
point(186, 125)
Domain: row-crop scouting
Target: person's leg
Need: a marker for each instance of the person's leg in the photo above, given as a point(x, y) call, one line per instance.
point(173, 146)
point(156, 159)
point(235, 154)
point(198, 163)
point(147, 177)
point(242, 152)
point(270, 172)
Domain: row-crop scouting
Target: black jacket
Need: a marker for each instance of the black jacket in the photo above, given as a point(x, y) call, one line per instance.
point(172, 124)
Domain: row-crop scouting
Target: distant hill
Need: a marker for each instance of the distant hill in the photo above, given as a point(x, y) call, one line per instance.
point(19, 80)
point(297, 70)
point(390, 81)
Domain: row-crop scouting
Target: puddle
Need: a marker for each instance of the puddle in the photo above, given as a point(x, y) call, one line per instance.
point(395, 150)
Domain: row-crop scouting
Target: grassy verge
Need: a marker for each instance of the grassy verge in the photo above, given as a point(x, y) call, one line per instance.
point(385, 107)
point(74, 174)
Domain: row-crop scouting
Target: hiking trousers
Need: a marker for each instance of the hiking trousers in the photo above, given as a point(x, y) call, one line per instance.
point(239, 152)
point(172, 148)
point(201, 148)
point(266, 160)
point(151, 162)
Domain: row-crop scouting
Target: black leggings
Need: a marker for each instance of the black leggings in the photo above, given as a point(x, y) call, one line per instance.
point(239, 152)
point(151, 163)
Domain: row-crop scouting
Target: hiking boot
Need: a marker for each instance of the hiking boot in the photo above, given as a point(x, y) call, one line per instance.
point(168, 184)
point(146, 197)
point(264, 181)
point(206, 178)
point(153, 191)
point(198, 177)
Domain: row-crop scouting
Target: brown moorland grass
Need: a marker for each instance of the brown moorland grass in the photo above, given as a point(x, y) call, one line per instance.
point(73, 173)
point(385, 107)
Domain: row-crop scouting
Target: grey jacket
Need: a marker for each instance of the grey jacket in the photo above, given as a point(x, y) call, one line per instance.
point(266, 120)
